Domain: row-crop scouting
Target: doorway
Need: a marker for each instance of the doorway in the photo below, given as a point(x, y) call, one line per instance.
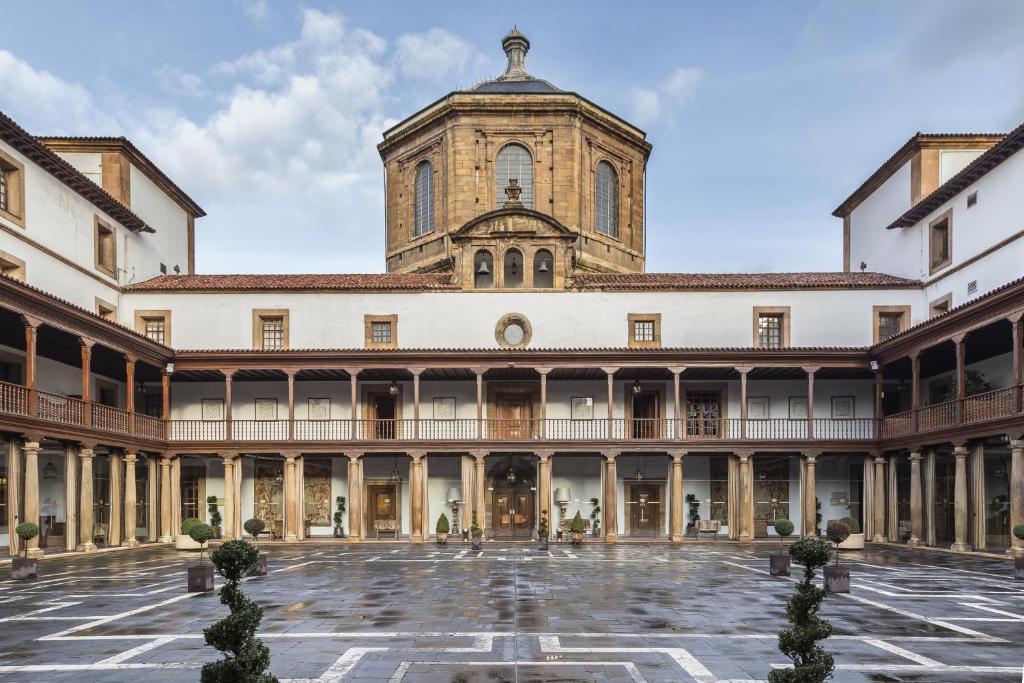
point(383, 414)
point(646, 411)
point(704, 413)
point(514, 413)
point(383, 501)
point(644, 510)
point(512, 513)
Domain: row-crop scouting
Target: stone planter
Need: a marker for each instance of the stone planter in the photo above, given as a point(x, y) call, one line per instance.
point(25, 568)
point(261, 566)
point(338, 532)
point(1018, 568)
point(200, 578)
point(183, 542)
point(577, 539)
point(442, 538)
point(853, 542)
point(542, 544)
point(837, 579)
point(779, 565)
point(478, 543)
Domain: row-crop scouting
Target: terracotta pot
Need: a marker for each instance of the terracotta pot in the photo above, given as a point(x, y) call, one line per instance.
point(25, 568)
point(478, 542)
point(779, 565)
point(837, 579)
point(200, 578)
point(542, 543)
point(577, 538)
point(442, 538)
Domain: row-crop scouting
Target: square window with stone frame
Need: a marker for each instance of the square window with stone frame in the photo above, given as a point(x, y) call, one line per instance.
point(643, 330)
point(272, 332)
point(12, 189)
point(155, 329)
point(380, 332)
point(939, 241)
point(889, 325)
point(769, 330)
point(106, 248)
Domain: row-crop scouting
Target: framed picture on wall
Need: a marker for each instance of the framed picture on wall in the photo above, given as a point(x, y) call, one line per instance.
point(758, 408)
point(843, 407)
point(582, 408)
point(797, 407)
point(266, 409)
point(319, 408)
point(444, 407)
point(213, 409)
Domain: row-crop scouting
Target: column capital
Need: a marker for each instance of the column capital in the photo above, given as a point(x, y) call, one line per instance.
point(416, 372)
point(1016, 443)
point(480, 371)
point(86, 453)
point(86, 343)
point(479, 455)
point(354, 457)
point(609, 371)
point(31, 321)
point(610, 455)
point(677, 456)
point(130, 457)
point(544, 456)
point(958, 339)
point(744, 455)
point(289, 458)
point(879, 459)
point(416, 456)
point(543, 372)
point(677, 369)
point(1016, 317)
point(31, 444)
point(352, 372)
point(228, 373)
point(810, 369)
point(811, 456)
point(961, 451)
point(743, 369)
point(290, 372)
point(915, 456)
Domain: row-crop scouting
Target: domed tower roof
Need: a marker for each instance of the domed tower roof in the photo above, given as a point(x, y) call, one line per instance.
point(515, 79)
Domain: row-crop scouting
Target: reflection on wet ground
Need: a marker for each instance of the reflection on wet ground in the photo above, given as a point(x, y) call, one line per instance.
point(702, 612)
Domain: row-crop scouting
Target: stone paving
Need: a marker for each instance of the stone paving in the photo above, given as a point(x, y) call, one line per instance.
point(696, 612)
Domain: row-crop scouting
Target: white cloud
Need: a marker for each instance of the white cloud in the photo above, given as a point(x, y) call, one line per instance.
point(53, 105)
point(177, 82)
point(682, 84)
point(434, 56)
point(646, 105)
point(257, 10)
point(651, 104)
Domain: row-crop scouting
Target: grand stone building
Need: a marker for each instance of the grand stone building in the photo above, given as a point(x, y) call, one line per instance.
point(515, 358)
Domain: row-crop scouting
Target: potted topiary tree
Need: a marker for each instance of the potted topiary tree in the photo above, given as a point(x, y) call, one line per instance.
point(837, 578)
point(254, 527)
point(245, 657)
point(576, 529)
point(811, 663)
point(543, 532)
point(855, 541)
point(183, 541)
point(339, 515)
point(694, 514)
point(779, 564)
point(215, 518)
point(1018, 562)
point(442, 529)
point(477, 533)
point(25, 567)
point(595, 517)
point(200, 576)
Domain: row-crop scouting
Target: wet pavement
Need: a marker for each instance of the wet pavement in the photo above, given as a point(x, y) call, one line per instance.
point(696, 612)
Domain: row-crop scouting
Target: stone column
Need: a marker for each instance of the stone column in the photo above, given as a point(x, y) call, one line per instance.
point(480, 479)
point(916, 510)
point(116, 488)
point(544, 484)
point(746, 511)
point(32, 493)
point(129, 501)
point(166, 533)
point(13, 448)
point(355, 505)
point(70, 496)
point(85, 536)
point(229, 497)
point(676, 514)
point(416, 530)
point(1017, 493)
point(810, 520)
point(879, 536)
point(466, 510)
point(960, 501)
point(290, 504)
point(153, 509)
point(611, 504)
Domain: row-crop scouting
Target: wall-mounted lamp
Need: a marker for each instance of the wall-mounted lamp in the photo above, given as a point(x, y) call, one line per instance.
point(170, 368)
point(636, 387)
point(393, 389)
point(874, 366)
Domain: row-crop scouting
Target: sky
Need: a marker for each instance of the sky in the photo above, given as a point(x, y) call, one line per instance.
point(764, 116)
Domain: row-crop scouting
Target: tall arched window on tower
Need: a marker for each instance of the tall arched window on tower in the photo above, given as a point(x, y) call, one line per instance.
point(607, 200)
point(514, 161)
point(543, 269)
point(512, 277)
point(483, 269)
point(424, 198)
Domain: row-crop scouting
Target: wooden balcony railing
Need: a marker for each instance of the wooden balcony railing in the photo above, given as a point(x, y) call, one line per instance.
point(896, 425)
point(991, 405)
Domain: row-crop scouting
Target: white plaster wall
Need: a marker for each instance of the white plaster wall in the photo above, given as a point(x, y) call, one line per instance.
point(952, 161)
point(656, 468)
point(697, 481)
point(885, 251)
point(57, 378)
point(832, 474)
point(380, 467)
point(559, 319)
point(443, 473)
point(89, 164)
point(581, 474)
point(169, 245)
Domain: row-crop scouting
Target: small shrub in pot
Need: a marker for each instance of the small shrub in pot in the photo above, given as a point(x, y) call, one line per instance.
point(543, 531)
point(837, 578)
point(779, 564)
point(200, 576)
point(576, 529)
point(25, 567)
point(339, 515)
point(811, 663)
point(215, 518)
point(442, 529)
point(254, 527)
point(1018, 562)
point(477, 533)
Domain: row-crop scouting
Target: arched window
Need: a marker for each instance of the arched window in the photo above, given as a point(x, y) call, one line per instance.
point(424, 198)
point(543, 269)
point(513, 275)
point(483, 270)
point(606, 207)
point(514, 161)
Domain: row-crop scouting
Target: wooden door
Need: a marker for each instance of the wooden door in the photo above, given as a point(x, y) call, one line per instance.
point(512, 513)
point(703, 413)
point(382, 412)
point(646, 412)
point(382, 510)
point(514, 413)
point(645, 510)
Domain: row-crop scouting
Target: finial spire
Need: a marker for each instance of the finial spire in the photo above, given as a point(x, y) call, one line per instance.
point(516, 46)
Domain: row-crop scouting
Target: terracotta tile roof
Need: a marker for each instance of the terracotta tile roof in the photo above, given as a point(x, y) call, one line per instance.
point(739, 281)
point(347, 282)
point(997, 154)
point(18, 138)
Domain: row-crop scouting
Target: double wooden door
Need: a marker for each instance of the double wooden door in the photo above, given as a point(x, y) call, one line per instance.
point(512, 513)
point(514, 416)
point(644, 509)
point(382, 510)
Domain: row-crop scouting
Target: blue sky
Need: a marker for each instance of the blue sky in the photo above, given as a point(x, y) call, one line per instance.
point(764, 116)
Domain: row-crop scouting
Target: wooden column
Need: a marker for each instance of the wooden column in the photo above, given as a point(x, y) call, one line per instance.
point(129, 501)
point(879, 500)
point(165, 395)
point(1017, 335)
point(86, 383)
point(544, 484)
point(31, 337)
point(31, 502)
point(611, 504)
point(743, 400)
point(915, 389)
point(810, 500)
point(166, 533)
point(543, 431)
point(228, 375)
point(355, 505)
point(85, 518)
point(961, 375)
point(610, 373)
point(676, 514)
point(353, 374)
point(677, 409)
point(746, 511)
point(291, 404)
point(416, 372)
point(116, 499)
point(290, 504)
point(416, 530)
point(70, 496)
point(129, 392)
point(479, 415)
point(810, 401)
point(229, 497)
point(480, 480)
point(916, 509)
point(1016, 493)
point(878, 393)
point(961, 509)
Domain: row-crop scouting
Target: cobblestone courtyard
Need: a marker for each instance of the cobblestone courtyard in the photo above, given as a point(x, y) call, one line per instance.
point(705, 612)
